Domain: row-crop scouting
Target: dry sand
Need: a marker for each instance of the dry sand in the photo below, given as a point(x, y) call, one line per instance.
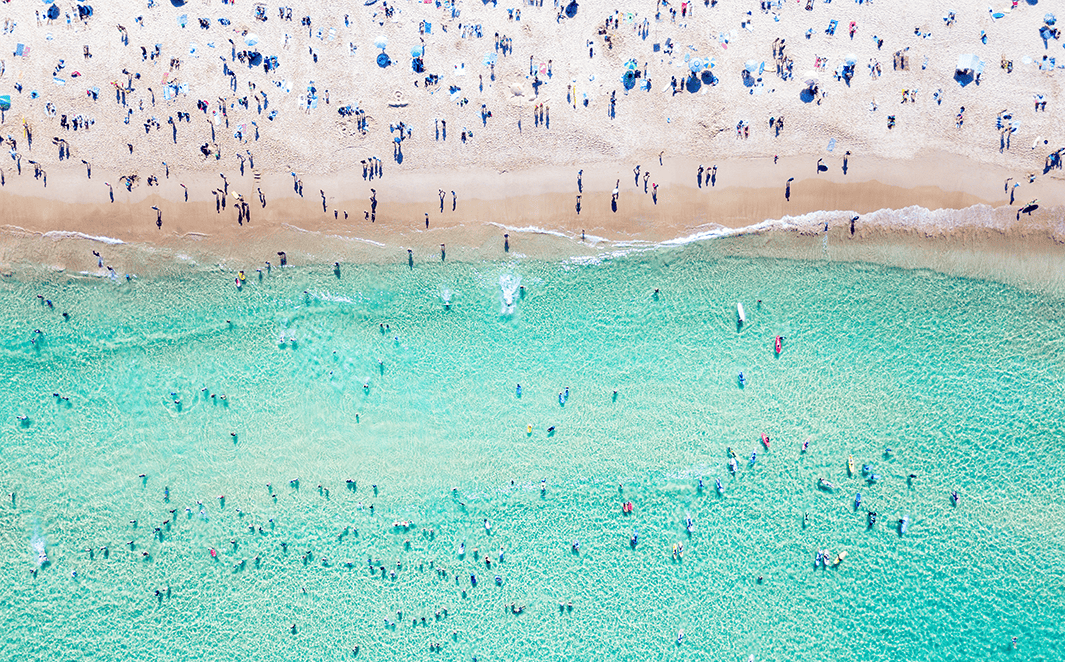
point(516, 174)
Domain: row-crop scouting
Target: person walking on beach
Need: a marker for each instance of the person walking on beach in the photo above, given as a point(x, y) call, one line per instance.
point(713, 176)
point(110, 192)
point(186, 192)
point(578, 204)
point(787, 189)
point(615, 194)
point(699, 177)
point(636, 171)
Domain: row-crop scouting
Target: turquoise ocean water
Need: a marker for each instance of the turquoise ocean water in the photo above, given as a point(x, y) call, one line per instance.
point(334, 413)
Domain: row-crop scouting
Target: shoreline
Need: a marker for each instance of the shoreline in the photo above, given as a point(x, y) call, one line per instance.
point(955, 209)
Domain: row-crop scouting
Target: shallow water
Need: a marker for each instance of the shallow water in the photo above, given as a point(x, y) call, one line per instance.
point(960, 378)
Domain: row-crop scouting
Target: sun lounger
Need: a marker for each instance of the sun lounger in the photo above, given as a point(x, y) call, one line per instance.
point(832, 25)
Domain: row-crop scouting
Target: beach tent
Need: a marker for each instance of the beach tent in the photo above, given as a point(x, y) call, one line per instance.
point(5, 102)
point(970, 63)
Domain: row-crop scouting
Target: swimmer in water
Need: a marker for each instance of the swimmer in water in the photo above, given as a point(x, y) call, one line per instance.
point(517, 391)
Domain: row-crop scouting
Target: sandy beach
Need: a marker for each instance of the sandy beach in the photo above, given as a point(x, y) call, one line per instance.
point(521, 118)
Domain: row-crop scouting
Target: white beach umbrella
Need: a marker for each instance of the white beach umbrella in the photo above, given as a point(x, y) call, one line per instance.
point(851, 59)
point(381, 42)
point(810, 77)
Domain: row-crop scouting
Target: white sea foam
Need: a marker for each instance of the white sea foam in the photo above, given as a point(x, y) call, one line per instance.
point(333, 236)
point(62, 234)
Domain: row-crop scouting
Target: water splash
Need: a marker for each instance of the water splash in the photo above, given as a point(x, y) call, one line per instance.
point(37, 545)
point(509, 286)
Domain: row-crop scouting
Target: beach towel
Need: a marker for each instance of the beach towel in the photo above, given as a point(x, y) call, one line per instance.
point(18, 50)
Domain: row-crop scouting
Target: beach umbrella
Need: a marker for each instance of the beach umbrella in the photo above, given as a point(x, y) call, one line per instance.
point(416, 51)
point(383, 60)
point(5, 102)
point(751, 66)
point(53, 12)
point(851, 60)
point(1049, 19)
point(489, 59)
point(696, 65)
point(810, 78)
point(381, 42)
point(251, 39)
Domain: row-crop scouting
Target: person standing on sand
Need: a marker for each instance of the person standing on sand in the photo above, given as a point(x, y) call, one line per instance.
point(578, 204)
point(110, 192)
point(713, 176)
point(186, 192)
point(787, 189)
point(427, 220)
point(636, 171)
point(615, 194)
point(699, 177)
point(580, 185)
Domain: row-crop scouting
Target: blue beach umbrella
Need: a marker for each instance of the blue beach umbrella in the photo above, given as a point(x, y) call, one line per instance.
point(416, 51)
point(5, 102)
point(383, 60)
point(696, 65)
point(489, 59)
